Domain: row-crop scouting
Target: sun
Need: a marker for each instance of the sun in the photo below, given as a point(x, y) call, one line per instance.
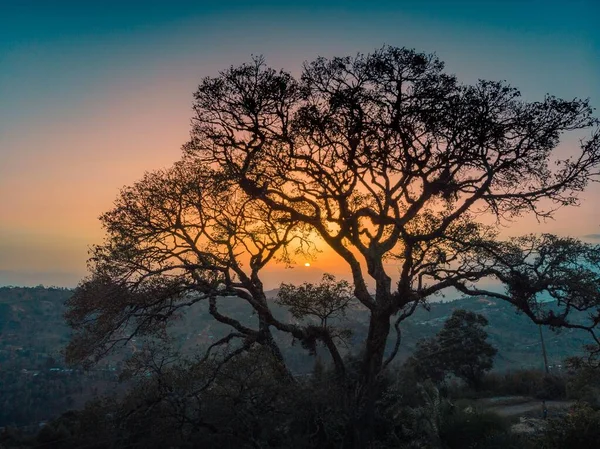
point(306, 264)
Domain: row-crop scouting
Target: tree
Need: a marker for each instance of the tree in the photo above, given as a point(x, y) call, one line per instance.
point(579, 428)
point(468, 355)
point(325, 302)
point(381, 157)
point(583, 382)
point(459, 348)
point(426, 362)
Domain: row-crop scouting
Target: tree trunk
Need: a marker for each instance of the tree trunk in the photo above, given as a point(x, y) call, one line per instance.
point(362, 423)
point(379, 324)
point(338, 362)
point(379, 329)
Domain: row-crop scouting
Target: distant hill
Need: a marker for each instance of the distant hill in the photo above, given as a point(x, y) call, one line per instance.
point(31, 321)
point(513, 333)
point(31, 318)
point(35, 385)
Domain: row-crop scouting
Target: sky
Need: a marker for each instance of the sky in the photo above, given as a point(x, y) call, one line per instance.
point(94, 93)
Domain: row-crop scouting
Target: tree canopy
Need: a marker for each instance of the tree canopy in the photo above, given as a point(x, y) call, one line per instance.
point(459, 348)
point(384, 157)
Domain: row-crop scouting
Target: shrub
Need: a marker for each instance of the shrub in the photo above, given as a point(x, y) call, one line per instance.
point(553, 387)
point(584, 385)
point(580, 428)
point(532, 383)
point(472, 429)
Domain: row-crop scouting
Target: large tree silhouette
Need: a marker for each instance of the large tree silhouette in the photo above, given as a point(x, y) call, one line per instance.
point(385, 157)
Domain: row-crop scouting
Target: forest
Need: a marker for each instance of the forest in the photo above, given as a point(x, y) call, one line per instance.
point(39, 387)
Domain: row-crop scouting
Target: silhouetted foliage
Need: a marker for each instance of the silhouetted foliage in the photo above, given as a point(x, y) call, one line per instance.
point(474, 429)
point(247, 404)
point(326, 303)
point(459, 348)
point(579, 428)
point(464, 348)
point(528, 383)
point(584, 380)
point(425, 361)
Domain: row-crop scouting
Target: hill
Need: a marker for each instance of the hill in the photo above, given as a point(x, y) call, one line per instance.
point(32, 328)
point(35, 385)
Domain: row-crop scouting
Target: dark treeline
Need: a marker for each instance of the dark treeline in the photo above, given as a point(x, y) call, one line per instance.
point(36, 384)
point(172, 399)
point(183, 402)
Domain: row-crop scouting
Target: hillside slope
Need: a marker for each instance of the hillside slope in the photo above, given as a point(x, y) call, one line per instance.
point(32, 325)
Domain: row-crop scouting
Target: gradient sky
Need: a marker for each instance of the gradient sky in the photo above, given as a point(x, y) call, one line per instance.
point(94, 93)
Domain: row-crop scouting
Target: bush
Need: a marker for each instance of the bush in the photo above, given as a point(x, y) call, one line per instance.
point(533, 383)
point(522, 383)
point(580, 428)
point(507, 440)
point(553, 387)
point(472, 429)
point(584, 385)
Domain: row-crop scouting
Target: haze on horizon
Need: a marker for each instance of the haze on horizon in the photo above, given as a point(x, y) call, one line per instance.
point(96, 93)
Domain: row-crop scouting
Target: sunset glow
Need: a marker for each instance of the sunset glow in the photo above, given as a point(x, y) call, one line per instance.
point(91, 101)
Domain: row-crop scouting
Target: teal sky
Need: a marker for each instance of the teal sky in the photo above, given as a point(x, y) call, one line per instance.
point(93, 93)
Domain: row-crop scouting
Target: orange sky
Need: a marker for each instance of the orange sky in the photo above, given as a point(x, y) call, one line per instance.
point(85, 114)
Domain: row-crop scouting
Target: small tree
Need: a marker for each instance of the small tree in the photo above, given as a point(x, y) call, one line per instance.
point(425, 360)
point(324, 302)
point(321, 303)
point(465, 350)
point(583, 381)
point(460, 348)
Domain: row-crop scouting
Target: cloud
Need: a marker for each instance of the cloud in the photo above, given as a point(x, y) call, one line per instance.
point(592, 237)
point(33, 278)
